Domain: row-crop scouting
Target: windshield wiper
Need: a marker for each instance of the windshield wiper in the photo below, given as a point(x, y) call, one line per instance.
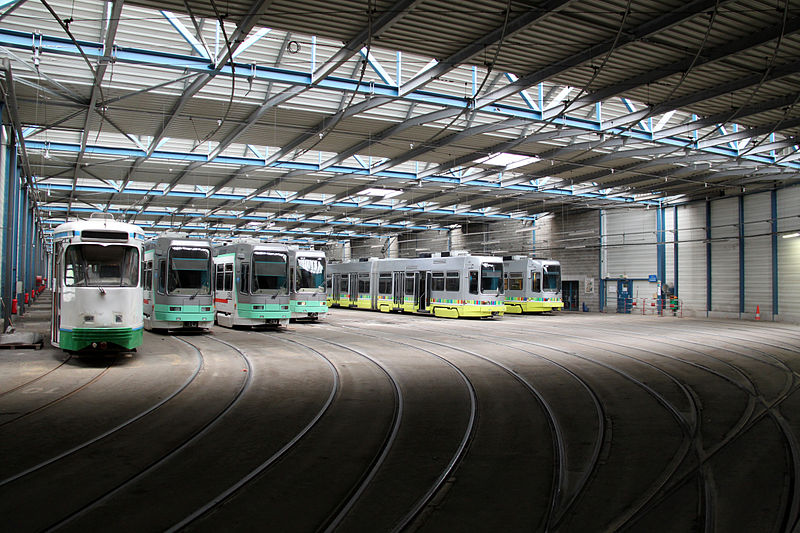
point(193, 296)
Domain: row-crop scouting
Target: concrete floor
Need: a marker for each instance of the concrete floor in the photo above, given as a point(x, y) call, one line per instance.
point(379, 422)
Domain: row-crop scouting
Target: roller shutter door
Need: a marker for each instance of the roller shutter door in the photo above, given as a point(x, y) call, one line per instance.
point(789, 254)
point(725, 255)
point(757, 254)
point(692, 257)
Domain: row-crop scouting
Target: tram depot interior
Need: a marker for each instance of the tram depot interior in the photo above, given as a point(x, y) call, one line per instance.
point(400, 265)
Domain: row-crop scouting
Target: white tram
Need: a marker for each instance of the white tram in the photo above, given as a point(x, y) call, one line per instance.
point(97, 294)
point(177, 283)
point(307, 298)
point(251, 283)
point(451, 285)
point(532, 285)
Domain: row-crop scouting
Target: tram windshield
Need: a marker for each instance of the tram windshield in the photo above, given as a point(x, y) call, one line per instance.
point(269, 272)
point(310, 273)
point(189, 271)
point(551, 278)
point(492, 277)
point(98, 265)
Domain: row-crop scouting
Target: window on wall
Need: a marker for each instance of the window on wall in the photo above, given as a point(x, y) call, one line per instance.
point(437, 281)
point(452, 282)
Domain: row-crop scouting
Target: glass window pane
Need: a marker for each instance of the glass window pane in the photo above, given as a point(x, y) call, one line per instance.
point(269, 272)
point(310, 273)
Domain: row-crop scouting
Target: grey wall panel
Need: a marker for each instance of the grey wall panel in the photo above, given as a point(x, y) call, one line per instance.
point(573, 239)
point(669, 245)
point(631, 243)
point(725, 256)
point(692, 257)
point(789, 255)
point(757, 255)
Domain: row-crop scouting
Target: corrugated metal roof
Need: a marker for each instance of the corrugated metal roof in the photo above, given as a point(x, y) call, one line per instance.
point(605, 73)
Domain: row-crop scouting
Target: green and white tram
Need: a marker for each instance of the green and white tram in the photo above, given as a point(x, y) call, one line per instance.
point(97, 291)
point(177, 274)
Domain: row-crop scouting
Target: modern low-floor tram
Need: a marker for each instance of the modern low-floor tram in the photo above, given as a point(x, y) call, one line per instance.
point(453, 286)
point(307, 297)
point(97, 290)
point(251, 284)
point(532, 285)
point(177, 275)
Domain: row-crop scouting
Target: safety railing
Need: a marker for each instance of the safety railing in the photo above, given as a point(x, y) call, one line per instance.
point(650, 306)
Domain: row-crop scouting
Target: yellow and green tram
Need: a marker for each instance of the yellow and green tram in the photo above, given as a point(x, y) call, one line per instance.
point(532, 285)
point(452, 285)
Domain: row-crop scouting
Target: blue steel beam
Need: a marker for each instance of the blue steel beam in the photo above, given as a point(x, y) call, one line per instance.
point(406, 176)
point(22, 40)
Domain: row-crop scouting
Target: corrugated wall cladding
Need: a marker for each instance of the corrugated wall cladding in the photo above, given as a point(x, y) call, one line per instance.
point(789, 255)
point(692, 258)
point(758, 255)
point(669, 245)
point(573, 237)
point(725, 256)
point(631, 242)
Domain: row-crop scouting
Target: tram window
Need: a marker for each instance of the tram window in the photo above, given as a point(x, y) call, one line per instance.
point(551, 277)
point(244, 283)
point(228, 277)
point(310, 273)
point(188, 271)
point(92, 265)
point(385, 284)
point(452, 284)
point(363, 283)
point(329, 283)
point(536, 282)
point(437, 281)
point(147, 272)
point(410, 284)
point(162, 275)
point(491, 277)
point(514, 281)
point(220, 277)
point(270, 272)
point(473, 282)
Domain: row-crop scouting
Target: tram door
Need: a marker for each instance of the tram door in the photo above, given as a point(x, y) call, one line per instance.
point(57, 276)
point(422, 282)
point(353, 292)
point(397, 292)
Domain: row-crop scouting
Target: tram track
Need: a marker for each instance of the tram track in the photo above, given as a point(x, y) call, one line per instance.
point(225, 495)
point(111, 431)
point(769, 408)
point(352, 483)
point(688, 427)
point(170, 454)
point(31, 398)
point(34, 380)
point(71, 501)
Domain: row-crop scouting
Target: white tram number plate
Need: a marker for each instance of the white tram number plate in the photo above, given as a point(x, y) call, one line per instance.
point(190, 324)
